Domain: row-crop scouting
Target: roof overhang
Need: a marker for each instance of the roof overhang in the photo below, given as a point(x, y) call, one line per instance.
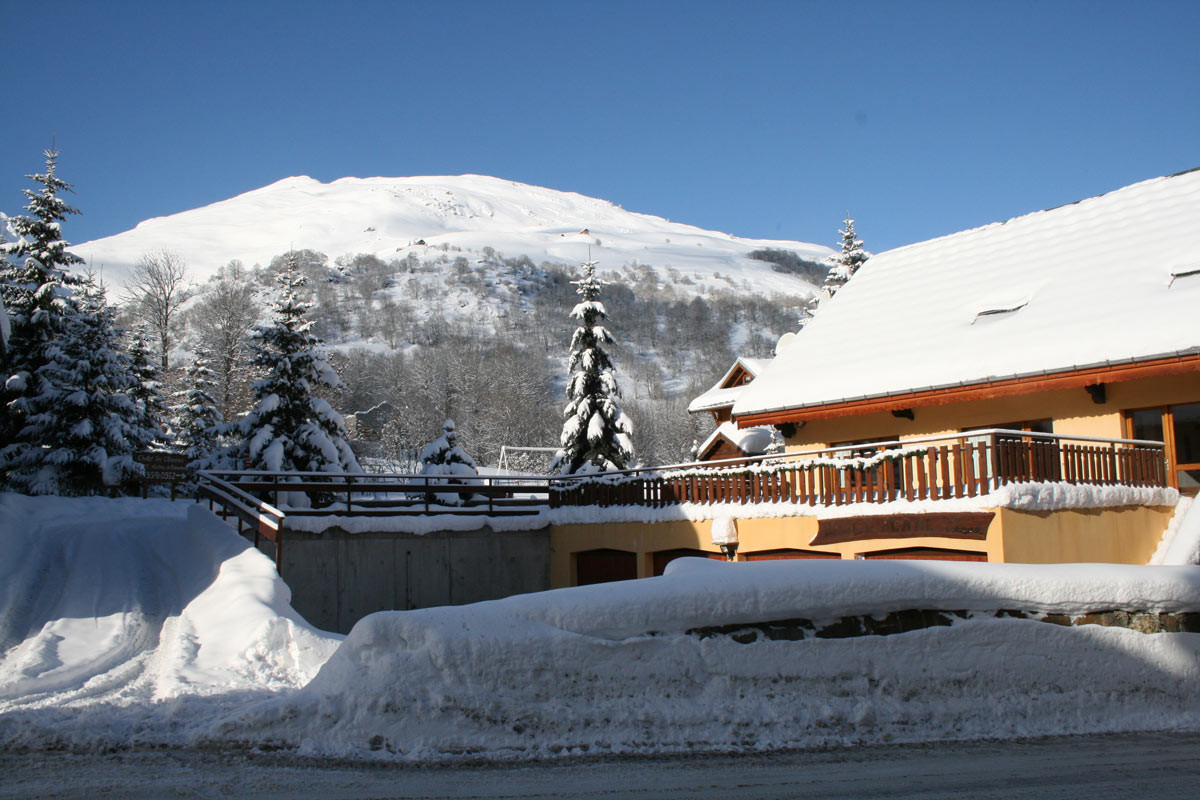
point(985, 390)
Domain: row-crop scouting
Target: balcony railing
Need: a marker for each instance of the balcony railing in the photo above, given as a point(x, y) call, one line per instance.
point(967, 464)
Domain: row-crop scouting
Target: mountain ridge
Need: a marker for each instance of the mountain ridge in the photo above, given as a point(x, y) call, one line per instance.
point(392, 217)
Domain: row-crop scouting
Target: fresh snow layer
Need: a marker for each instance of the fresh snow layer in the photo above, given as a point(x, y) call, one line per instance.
point(1107, 279)
point(120, 609)
point(387, 217)
point(133, 623)
point(612, 668)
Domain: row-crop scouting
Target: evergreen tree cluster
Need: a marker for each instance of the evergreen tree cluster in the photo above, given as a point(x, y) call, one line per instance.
point(70, 418)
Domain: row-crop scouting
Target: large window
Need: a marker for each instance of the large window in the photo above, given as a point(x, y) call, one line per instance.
point(1178, 427)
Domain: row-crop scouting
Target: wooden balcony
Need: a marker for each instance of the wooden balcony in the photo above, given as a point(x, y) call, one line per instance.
point(970, 464)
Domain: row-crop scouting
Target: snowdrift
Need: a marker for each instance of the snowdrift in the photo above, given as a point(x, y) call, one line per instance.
point(109, 609)
point(621, 668)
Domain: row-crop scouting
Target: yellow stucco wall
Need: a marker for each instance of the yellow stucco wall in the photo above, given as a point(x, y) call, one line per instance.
point(754, 535)
point(1126, 535)
point(1072, 410)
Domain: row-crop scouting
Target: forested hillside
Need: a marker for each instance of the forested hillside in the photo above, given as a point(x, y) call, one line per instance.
point(482, 339)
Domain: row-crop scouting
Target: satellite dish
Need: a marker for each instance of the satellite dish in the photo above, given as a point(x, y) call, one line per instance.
point(784, 341)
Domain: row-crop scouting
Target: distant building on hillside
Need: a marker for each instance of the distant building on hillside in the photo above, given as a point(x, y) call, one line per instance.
point(1078, 321)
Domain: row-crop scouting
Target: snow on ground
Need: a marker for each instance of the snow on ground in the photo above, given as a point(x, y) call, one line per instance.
point(142, 623)
point(611, 669)
point(120, 609)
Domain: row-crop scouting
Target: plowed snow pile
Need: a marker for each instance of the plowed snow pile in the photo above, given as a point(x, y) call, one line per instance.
point(130, 620)
point(614, 669)
point(133, 623)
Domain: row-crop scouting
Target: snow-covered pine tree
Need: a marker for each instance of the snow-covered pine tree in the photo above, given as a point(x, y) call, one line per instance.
point(151, 407)
point(445, 456)
point(843, 265)
point(80, 428)
point(290, 429)
point(37, 287)
point(596, 433)
point(195, 419)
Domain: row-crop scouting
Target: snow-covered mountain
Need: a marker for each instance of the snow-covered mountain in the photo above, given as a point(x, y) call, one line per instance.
point(392, 217)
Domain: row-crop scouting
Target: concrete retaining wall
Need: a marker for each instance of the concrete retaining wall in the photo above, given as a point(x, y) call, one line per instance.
point(337, 578)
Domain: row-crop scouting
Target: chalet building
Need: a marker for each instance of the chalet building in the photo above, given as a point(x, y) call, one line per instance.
point(1081, 321)
point(1040, 359)
point(728, 440)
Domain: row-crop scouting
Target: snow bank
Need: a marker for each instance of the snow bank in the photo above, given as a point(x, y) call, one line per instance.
point(119, 606)
point(613, 669)
point(1181, 541)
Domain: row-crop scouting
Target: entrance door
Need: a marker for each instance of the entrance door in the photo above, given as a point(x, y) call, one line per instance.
point(1178, 427)
point(602, 566)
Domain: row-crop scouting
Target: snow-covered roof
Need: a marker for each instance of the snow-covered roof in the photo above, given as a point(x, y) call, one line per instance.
point(721, 395)
point(1108, 280)
point(751, 441)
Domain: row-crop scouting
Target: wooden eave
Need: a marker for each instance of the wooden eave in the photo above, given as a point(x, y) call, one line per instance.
point(737, 377)
point(1028, 384)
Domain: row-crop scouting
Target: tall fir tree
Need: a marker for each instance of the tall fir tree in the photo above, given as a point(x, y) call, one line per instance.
point(81, 428)
point(195, 420)
point(149, 404)
point(38, 288)
point(290, 429)
point(843, 265)
point(596, 434)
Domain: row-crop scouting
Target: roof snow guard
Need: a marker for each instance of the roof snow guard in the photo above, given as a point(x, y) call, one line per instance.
point(1105, 294)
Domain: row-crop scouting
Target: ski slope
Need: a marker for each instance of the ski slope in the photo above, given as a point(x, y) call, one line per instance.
point(448, 215)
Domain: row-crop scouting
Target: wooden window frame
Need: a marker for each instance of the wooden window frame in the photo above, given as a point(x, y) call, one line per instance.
point(1169, 446)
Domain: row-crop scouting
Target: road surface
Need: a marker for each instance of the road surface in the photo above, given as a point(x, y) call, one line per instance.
point(1143, 766)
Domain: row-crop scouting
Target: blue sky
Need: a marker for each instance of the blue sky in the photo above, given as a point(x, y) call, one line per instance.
point(762, 119)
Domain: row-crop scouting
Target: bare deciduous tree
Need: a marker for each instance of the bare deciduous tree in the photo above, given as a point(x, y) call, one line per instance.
point(223, 319)
point(157, 288)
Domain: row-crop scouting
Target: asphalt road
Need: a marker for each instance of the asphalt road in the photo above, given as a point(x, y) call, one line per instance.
point(1141, 766)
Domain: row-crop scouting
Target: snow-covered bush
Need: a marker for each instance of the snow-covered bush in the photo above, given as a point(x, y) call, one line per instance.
point(444, 456)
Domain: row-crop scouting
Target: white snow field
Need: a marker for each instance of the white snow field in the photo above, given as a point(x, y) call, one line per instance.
point(393, 217)
point(133, 624)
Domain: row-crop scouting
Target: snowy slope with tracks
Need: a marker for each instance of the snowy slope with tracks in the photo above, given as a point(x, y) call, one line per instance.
point(391, 217)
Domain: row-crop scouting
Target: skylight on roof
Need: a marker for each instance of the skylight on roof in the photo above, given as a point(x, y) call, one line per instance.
point(999, 309)
point(1183, 272)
